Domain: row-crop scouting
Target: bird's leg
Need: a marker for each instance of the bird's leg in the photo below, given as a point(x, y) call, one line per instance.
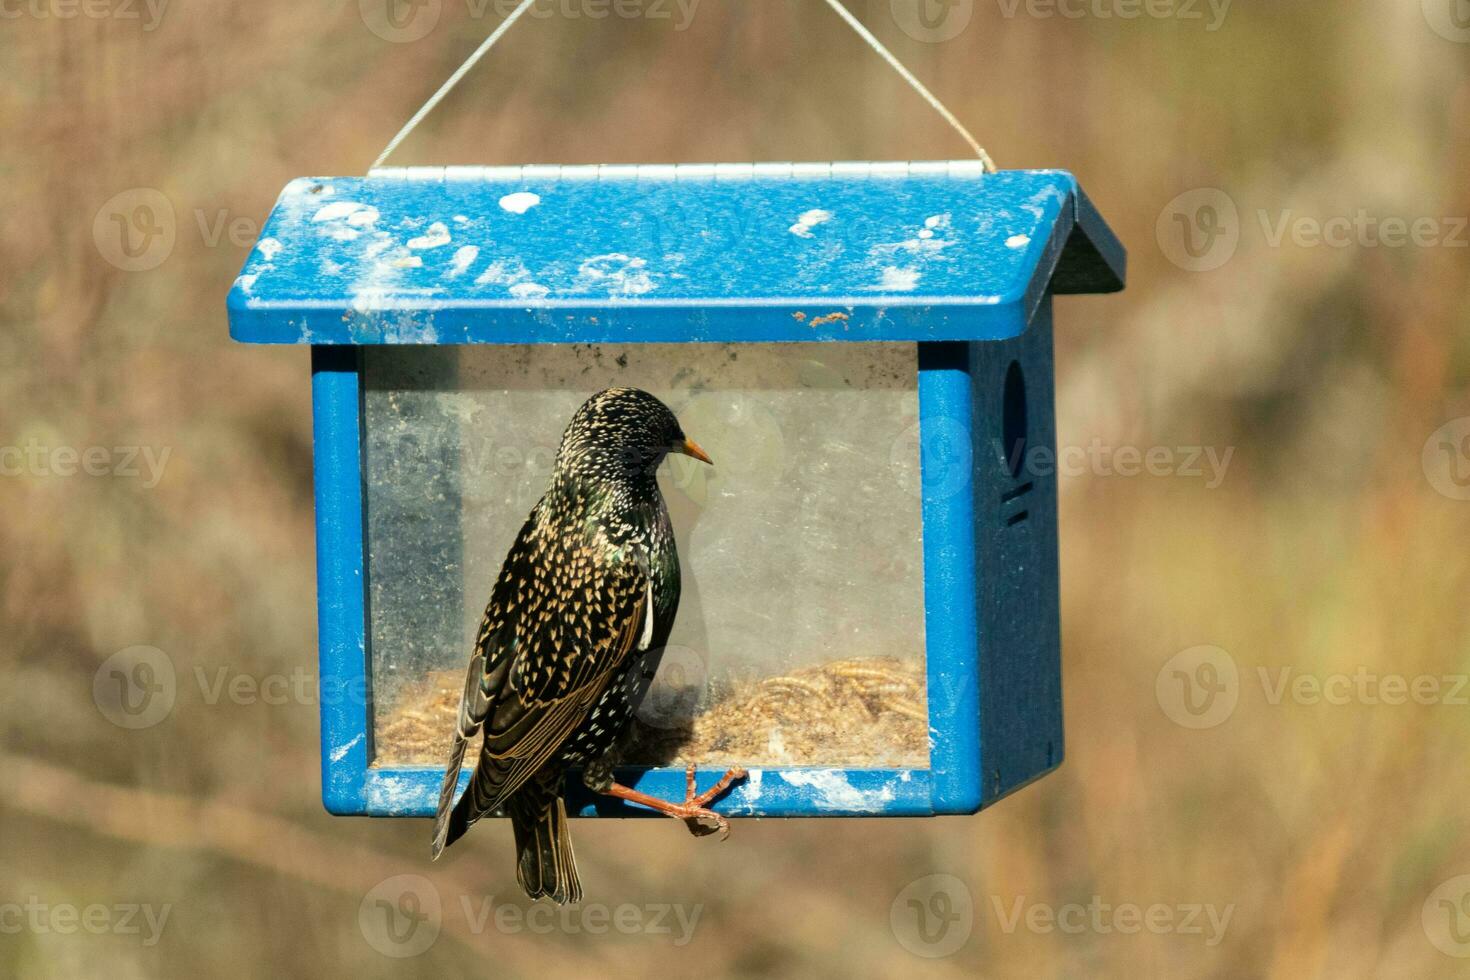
point(693, 811)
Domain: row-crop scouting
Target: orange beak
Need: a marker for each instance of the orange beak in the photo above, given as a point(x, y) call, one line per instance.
point(691, 448)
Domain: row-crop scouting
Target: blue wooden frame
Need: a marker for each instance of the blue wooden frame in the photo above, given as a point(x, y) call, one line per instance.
point(989, 541)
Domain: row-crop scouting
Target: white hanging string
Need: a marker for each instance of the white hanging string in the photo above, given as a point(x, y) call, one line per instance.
point(836, 5)
point(918, 86)
point(454, 80)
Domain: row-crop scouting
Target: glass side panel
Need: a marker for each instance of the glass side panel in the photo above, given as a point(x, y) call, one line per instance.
point(800, 634)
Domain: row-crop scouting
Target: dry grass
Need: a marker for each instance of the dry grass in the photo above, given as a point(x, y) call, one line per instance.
point(866, 712)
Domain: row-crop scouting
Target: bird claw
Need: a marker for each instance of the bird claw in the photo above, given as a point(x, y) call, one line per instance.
point(700, 820)
point(694, 811)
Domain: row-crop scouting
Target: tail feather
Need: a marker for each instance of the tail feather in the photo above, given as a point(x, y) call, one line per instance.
point(545, 866)
point(473, 704)
point(449, 822)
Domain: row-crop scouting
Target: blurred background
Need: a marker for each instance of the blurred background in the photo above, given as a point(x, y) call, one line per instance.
point(1265, 655)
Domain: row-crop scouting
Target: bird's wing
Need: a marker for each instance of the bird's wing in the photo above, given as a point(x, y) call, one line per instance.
point(560, 620)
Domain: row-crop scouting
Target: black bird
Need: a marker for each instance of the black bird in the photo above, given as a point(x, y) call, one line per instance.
point(571, 636)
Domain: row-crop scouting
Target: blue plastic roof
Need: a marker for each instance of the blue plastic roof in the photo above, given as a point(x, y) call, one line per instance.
point(780, 252)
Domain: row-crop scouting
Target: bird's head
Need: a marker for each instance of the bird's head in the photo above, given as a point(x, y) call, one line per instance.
point(620, 436)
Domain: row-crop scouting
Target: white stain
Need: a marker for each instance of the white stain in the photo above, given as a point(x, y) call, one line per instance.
point(463, 259)
point(437, 235)
point(520, 202)
point(502, 273)
point(1038, 202)
point(393, 794)
point(363, 217)
point(750, 792)
point(897, 279)
point(246, 283)
point(340, 752)
point(931, 223)
point(338, 210)
point(616, 274)
point(405, 330)
point(269, 248)
point(832, 791)
point(901, 263)
point(1018, 241)
point(528, 290)
point(380, 244)
point(808, 221)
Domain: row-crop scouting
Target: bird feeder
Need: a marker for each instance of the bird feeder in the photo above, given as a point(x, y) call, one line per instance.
point(870, 616)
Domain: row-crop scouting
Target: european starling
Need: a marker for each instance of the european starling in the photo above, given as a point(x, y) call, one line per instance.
point(570, 640)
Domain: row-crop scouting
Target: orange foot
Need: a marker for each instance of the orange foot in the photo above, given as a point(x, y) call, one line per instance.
point(694, 810)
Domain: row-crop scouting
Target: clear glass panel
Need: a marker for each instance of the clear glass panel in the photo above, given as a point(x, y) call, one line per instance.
point(800, 634)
